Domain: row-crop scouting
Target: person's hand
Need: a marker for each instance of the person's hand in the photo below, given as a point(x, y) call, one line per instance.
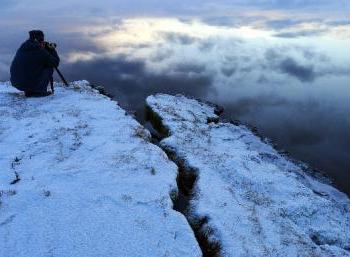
point(50, 46)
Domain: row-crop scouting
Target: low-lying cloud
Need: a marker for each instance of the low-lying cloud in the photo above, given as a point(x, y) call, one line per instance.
point(302, 72)
point(293, 90)
point(130, 82)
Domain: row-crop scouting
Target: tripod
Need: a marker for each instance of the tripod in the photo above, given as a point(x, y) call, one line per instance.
point(62, 78)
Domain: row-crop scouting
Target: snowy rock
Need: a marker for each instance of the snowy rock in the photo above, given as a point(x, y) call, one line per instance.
point(79, 178)
point(247, 197)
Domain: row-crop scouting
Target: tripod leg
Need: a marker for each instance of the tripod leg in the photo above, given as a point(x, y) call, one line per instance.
point(51, 85)
point(61, 76)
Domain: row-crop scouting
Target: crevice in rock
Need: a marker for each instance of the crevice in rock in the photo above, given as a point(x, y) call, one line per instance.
point(157, 124)
point(186, 182)
point(16, 180)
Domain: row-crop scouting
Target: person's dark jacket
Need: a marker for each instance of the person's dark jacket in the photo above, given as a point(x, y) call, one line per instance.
point(29, 63)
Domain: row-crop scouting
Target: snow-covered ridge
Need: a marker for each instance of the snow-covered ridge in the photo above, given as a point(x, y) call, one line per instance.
point(254, 201)
point(79, 178)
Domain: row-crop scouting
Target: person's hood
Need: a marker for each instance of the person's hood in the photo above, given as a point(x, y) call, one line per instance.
point(30, 45)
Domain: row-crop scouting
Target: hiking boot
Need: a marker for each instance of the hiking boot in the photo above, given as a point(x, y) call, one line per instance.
point(37, 94)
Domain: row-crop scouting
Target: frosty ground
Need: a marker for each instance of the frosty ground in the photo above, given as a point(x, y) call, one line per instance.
point(80, 177)
point(248, 199)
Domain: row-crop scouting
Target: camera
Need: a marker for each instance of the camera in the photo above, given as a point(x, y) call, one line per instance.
point(50, 46)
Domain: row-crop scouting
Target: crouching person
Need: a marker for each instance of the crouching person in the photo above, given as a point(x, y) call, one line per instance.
point(33, 65)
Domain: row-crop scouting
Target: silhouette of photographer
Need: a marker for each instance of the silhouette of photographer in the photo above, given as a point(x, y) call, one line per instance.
point(33, 65)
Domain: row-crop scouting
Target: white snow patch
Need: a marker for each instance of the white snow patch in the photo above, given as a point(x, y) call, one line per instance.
point(258, 203)
point(90, 182)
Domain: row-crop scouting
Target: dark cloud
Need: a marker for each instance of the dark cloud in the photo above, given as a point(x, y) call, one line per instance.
point(294, 21)
point(282, 23)
point(301, 33)
point(161, 55)
point(302, 72)
point(206, 45)
point(245, 106)
point(301, 135)
point(74, 42)
point(246, 69)
point(288, 65)
point(130, 82)
point(228, 71)
point(178, 38)
point(225, 21)
point(262, 79)
point(309, 54)
point(190, 67)
point(338, 22)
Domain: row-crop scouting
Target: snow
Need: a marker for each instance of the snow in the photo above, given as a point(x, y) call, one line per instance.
point(257, 202)
point(89, 182)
